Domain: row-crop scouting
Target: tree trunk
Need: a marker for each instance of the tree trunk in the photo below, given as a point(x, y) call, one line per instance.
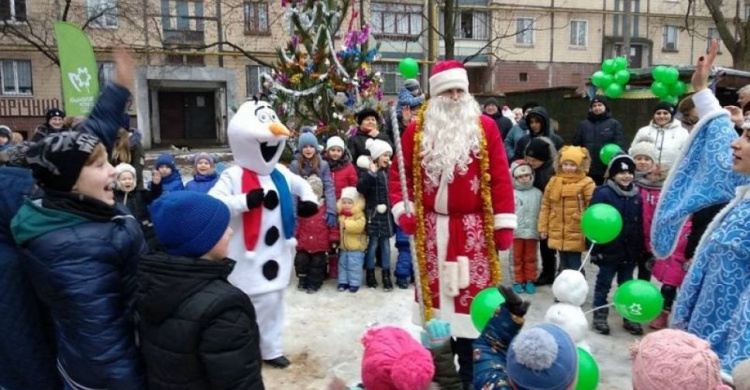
point(741, 57)
point(449, 19)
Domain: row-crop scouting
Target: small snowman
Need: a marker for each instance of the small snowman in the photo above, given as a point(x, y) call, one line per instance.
point(570, 289)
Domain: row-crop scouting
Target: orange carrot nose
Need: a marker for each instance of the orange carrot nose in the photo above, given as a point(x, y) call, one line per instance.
point(279, 130)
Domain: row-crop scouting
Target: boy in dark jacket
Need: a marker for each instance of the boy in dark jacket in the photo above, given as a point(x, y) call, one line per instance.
point(597, 130)
point(620, 256)
point(197, 331)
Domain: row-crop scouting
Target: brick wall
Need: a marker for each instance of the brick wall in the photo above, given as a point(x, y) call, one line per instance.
point(508, 75)
point(22, 124)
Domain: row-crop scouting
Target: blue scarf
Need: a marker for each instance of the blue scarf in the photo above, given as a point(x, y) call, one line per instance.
point(285, 199)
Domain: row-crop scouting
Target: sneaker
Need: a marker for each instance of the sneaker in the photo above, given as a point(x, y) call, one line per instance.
point(530, 288)
point(518, 288)
point(353, 289)
point(342, 287)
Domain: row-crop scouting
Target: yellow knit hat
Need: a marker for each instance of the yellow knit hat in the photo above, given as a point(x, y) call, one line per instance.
point(575, 154)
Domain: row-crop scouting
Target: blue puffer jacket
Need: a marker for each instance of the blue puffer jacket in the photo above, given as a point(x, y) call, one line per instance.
point(26, 355)
point(85, 271)
point(202, 183)
point(629, 245)
point(170, 183)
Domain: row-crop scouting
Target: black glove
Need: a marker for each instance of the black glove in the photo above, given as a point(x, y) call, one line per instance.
point(514, 303)
point(254, 198)
point(306, 209)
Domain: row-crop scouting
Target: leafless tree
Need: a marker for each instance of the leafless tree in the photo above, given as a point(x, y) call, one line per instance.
point(734, 31)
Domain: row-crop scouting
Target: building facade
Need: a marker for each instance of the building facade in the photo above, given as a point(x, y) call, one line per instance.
point(200, 59)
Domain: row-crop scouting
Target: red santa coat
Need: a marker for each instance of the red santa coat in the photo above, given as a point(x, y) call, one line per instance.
point(454, 226)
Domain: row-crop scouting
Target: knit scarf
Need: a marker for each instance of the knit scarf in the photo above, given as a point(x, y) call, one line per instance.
point(251, 220)
point(77, 204)
point(643, 180)
point(628, 192)
point(568, 188)
point(340, 163)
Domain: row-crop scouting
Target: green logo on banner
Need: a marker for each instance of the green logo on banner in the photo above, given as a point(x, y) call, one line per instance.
point(78, 69)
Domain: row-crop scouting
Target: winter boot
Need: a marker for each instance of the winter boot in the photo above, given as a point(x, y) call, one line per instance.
point(600, 321)
point(387, 285)
point(633, 328)
point(530, 288)
point(370, 279)
point(302, 283)
point(661, 321)
point(402, 283)
point(518, 288)
point(342, 287)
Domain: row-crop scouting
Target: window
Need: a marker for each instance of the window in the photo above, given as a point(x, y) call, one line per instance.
point(186, 60)
point(670, 38)
point(523, 77)
point(106, 72)
point(254, 79)
point(713, 34)
point(469, 24)
point(13, 10)
point(181, 15)
point(393, 18)
point(391, 80)
point(256, 18)
point(103, 13)
point(525, 31)
point(578, 33)
point(15, 77)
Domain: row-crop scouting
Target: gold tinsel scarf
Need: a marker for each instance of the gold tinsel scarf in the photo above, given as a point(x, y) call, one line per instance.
point(488, 214)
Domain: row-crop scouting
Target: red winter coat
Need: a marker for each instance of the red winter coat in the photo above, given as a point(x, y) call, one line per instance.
point(345, 176)
point(312, 232)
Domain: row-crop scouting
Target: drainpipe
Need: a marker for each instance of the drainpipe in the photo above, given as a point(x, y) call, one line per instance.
point(219, 34)
point(550, 71)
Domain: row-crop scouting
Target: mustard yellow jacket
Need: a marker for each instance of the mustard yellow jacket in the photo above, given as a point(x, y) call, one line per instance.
point(353, 233)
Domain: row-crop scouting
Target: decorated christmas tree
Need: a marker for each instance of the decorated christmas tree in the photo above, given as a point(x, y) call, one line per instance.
point(315, 84)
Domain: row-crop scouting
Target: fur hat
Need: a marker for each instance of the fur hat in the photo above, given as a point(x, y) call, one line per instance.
point(673, 359)
point(307, 138)
point(53, 112)
point(6, 132)
point(741, 375)
point(574, 154)
point(644, 147)
point(366, 113)
point(620, 163)
point(57, 160)
point(204, 156)
point(449, 74)
point(350, 193)
point(316, 184)
point(542, 357)
point(334, 142)
point(189, 223)
point(122, 168)
point(540, 148)
point(378, 147)
point(393, 360)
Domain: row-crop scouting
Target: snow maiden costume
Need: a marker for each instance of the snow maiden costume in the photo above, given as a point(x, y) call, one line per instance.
point(259, 193)
point(714, 300)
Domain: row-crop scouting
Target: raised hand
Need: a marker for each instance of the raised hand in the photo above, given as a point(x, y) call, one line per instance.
point(124, 68)
point(703, 68)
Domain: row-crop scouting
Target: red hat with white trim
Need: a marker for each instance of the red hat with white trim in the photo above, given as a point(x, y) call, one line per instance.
point(448, 75)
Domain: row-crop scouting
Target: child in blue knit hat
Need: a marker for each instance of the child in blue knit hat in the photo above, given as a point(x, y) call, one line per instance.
point(171, 179)
point(196, 329)
point(506, 357)
point(205, 173)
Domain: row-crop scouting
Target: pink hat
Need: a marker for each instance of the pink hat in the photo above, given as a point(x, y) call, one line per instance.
point(673, 359)
point(393, 360)
point(448, 75)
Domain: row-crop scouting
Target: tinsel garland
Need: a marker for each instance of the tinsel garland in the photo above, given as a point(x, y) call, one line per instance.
point(488, 213)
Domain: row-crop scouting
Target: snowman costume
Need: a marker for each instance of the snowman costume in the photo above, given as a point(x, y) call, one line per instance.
point(259, 195)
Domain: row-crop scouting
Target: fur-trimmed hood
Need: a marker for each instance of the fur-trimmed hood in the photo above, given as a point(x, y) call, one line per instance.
point(575, 154)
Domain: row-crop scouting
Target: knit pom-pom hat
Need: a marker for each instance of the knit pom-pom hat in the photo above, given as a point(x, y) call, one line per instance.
point(644, 147)
point(377, 148)
point(393, 360)
point(542, 357)
point(672, 359)
point(307, 138)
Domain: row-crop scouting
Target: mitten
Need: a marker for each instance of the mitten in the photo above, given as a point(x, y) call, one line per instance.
point(331, 219)
point(254, 198)
point(408, 223)
point(436, 334)
point(307, 209)
point(503, 239)
point(513, 302)
point(347, 213)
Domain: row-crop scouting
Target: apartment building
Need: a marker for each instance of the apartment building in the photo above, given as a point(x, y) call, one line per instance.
point(200, 59)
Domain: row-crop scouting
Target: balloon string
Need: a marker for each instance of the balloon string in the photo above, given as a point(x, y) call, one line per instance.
point(597, 308)
point(588, 256)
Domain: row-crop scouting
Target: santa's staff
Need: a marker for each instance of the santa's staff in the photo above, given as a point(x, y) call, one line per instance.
point(407, 206)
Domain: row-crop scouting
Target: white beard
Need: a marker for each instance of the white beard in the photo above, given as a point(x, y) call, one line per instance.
point(450, 137)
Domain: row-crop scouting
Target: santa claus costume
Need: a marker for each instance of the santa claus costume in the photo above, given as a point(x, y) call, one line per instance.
point(259, 193)
point(462, 210)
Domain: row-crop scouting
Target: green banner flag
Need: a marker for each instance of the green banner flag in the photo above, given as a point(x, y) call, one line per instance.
point(80, 80)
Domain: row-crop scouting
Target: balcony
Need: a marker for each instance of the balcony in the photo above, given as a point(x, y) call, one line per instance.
point(184, 38)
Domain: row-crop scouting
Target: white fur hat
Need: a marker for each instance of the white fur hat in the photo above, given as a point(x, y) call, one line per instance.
point(350, 193)
point(378, 148)
point(644, 147)
point(335, 141)
point(124, 167)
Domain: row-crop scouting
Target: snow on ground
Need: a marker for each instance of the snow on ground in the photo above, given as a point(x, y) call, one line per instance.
point(322, 332)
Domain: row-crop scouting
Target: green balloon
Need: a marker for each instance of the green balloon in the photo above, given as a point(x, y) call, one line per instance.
point(659, 72)
point(408, 67)
point(621, 63)
point(614, 91)
point(638, 301)
point(673, 100)
point(622, 77)
point(677, 89)
point(588, 371)
point(483, 306)
point(608, 151)
point(671, 76)
point(659, 89)
point(601, 223)
point(598, 78)
point(607, 80)
point(609, 67)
